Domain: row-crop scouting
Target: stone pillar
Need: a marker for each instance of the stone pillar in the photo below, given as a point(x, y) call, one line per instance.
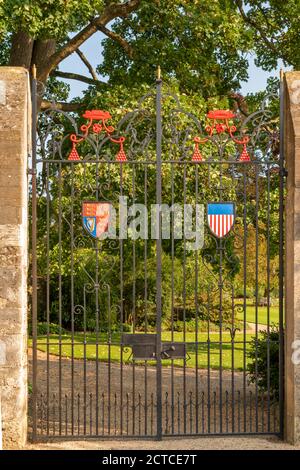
point(14, 146)
point(292, 256)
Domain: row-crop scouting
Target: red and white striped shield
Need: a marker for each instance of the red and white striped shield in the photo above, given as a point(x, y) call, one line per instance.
point(220, 217)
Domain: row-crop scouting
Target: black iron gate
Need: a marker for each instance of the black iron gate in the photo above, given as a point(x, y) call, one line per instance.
point(162, 326)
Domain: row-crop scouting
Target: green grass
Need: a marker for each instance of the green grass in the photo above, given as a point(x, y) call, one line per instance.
point(262, 315)
point(113, 351)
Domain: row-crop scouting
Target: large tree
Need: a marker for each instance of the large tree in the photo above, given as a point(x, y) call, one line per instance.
point(201, 43)
point(274, 24)
point(37, 31)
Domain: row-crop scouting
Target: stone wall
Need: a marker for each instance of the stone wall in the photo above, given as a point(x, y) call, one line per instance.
point(14, 146)
point(292, 256)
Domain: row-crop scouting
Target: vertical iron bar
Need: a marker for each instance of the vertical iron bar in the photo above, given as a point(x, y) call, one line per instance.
point(133, 307)
point(221, 334)
point(103, 413)
point(54, 414)
point(78, 414)
point(97, 311)
point(66, 414)
point(158, 260)
point(226, 411)
point(127, 414)
point(184, 306)
point(203, 411)
point(215, 410)
point(208, 363)
point(268, 297)
point(250, 411)
point(109, 364)
point(245, 294)
point(60, 300)
point(145, 305)
point(191, 411)
point(167, 414)
point(232, 360)
point(178, 411)
point(72, 297)
point(115, 413)
point(262, 412)
point(151, 415)
point(42, 414)
point(239, 410)
point(139, 414)
point(121, 310)
point(47, 294)
point(84, 361)
point(281, 260)
point(256, 292)
point(91, 414)
point(221, 248)
point(34, 258)
point(196, 312)
point(172, 299)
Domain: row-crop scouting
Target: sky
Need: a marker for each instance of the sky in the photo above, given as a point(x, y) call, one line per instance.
point(93, 50)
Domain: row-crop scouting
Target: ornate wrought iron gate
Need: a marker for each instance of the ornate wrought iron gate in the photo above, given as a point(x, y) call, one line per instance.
point(140, 336)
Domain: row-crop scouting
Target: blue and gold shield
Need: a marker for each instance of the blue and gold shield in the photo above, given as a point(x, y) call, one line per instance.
point(95, 217)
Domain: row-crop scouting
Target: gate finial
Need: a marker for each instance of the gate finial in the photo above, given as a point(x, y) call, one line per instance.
point(158, 72)
point(281, 73)
point(34, 72)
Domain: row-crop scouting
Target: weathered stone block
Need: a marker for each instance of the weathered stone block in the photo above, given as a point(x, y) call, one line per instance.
point(292, 244)
point(12, 320)
point(14, 138)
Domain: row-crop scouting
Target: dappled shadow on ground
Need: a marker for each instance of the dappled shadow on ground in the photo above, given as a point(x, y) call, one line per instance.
point(86, 398)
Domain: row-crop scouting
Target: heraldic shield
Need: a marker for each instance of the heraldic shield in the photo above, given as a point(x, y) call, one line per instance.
point(95, 217)
point(220, 216)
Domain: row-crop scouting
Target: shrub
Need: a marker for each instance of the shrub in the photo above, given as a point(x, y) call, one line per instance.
point(258, 367)
point(42, 329)
point(127, 328)
point(178, 326)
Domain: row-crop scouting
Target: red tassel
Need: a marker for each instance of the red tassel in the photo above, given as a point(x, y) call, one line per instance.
point(197, 157)
point(244, 157)
point(121, 155)
point(74, 154)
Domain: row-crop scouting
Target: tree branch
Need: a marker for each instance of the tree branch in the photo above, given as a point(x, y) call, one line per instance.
point(114, 10)
point(240, 102)
point(116, 37)
point(68, 107)
point(77, 76)
point(87, 64)
point(247, 19)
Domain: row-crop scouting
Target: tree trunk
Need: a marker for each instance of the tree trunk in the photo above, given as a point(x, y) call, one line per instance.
point(21, 50)
point(42, 51)
point(26, 52)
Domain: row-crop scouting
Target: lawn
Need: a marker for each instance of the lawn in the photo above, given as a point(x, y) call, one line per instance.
point(262, 315)
point(200, 353)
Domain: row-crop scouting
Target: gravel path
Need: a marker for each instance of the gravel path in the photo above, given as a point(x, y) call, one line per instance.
point(204, 443)
point(123, 400)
